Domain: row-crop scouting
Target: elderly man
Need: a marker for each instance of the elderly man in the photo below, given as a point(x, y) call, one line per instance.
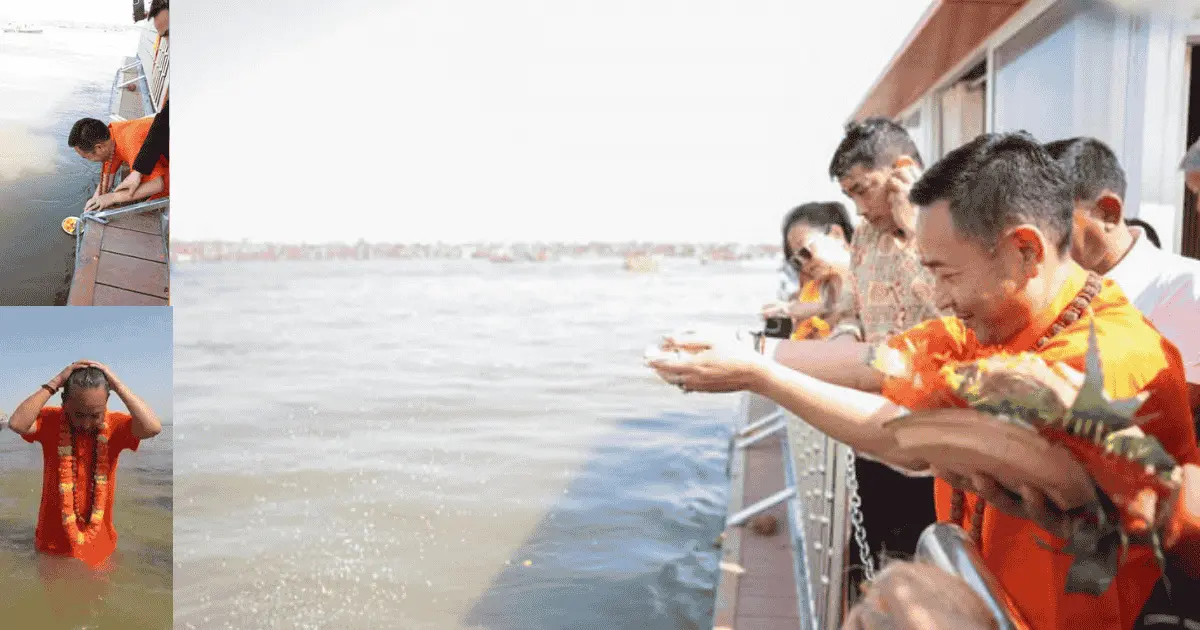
point(81, 442)
point(1164, 286)
point(995, 230)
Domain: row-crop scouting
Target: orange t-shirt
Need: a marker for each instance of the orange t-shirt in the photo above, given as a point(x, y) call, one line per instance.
point(51, 535)
point(813, 327)
point(1135, 358)
point(128, 138)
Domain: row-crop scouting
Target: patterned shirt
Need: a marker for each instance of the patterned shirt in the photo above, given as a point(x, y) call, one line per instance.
point(889, 291)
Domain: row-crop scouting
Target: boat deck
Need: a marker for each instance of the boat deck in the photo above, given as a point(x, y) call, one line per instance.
point(123, 263)
point(757, 590)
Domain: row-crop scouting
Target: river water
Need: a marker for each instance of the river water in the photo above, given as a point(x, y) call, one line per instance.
point(446, 445)
point(47, 82)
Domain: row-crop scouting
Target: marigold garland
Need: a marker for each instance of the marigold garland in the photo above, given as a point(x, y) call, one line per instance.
point(81, 530)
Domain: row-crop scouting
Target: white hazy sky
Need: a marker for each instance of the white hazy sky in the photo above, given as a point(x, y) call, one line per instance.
point(99, 11)
point(456, 120)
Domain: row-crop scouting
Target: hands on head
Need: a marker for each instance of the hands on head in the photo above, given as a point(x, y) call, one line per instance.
point(61, 378)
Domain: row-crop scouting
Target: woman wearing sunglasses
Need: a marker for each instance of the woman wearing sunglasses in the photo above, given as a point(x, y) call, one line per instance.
point(816, 243)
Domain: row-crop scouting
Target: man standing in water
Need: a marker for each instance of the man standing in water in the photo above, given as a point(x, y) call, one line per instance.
point(81, 442)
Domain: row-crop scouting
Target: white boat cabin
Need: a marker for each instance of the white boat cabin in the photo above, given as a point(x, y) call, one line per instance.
point(1058, 69)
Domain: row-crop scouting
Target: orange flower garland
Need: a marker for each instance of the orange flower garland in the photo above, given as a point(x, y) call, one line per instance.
point(72, 492)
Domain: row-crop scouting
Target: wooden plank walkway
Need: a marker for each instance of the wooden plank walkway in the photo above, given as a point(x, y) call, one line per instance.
point(757, 590)
point(123, 263)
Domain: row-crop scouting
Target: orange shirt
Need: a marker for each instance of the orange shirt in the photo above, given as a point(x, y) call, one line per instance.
point(813, 327)
point(128, 136)
point(1135, 358)
point(51, 535)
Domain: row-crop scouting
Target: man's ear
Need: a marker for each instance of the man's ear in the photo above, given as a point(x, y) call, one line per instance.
point(836, 232)
point(1110, 209)
point(1028, 243)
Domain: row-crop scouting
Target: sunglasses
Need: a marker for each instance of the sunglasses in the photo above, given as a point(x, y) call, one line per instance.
point(801, 256)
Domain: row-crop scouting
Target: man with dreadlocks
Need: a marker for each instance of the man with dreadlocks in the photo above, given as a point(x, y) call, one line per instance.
point(81, 442)
point(995, 230)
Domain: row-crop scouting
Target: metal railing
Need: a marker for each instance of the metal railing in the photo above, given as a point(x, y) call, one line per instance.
point(154, 53)
point(817, 496)
point(104, 216)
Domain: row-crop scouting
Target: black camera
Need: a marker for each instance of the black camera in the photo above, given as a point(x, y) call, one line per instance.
point(778, 327)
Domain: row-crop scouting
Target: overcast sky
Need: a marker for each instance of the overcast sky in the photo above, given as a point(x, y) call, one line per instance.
point(523, 119)
point(134, 341)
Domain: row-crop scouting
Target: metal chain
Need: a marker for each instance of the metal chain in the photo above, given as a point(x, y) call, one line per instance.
point(856, 518)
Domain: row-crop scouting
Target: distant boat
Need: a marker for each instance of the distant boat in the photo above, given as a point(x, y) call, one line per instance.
point(22, 28)
point(642, 263)
point(502, 256)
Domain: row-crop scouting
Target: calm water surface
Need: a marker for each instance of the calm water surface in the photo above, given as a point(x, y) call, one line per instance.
point(47, 82)
point(446, 445)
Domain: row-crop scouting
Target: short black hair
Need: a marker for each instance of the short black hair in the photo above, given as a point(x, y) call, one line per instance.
point(873, 143)
point(86, 133)
point(818, 214)
point(1092, 166)
point(1151, 233)
point(998, 181)
point(85, 378)
point(156, 7)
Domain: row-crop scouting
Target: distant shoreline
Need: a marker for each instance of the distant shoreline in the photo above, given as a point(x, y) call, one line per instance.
point(232, 251)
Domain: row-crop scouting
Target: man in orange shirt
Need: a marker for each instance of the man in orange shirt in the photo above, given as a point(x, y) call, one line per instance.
point(81, 442)
point(117, 145)
point(995, 230)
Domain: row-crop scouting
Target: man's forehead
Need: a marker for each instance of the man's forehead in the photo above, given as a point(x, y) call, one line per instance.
point(857, 175)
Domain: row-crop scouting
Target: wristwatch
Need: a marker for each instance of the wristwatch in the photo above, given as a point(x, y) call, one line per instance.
point(46, 386)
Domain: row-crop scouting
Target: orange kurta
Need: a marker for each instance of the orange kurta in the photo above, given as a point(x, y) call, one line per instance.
point(128, 137)
point(813, 327)
point(1135, 358)
point(51, 535)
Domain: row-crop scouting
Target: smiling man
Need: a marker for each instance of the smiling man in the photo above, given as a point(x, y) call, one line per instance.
point(81, 442)
point(995, 229)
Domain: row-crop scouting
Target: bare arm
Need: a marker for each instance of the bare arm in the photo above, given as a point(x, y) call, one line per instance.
point(143, 190)
point(27, 412)
point(841, 362)
point(145, 422)
point(852, 417)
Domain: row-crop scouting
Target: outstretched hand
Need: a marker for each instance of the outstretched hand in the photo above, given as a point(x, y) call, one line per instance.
point(707, 359)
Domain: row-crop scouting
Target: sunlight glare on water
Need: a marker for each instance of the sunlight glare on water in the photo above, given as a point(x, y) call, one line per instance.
point(446, 444)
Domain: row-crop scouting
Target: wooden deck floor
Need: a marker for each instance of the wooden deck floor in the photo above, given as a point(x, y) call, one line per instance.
point(123, 263)
point(758, 582)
